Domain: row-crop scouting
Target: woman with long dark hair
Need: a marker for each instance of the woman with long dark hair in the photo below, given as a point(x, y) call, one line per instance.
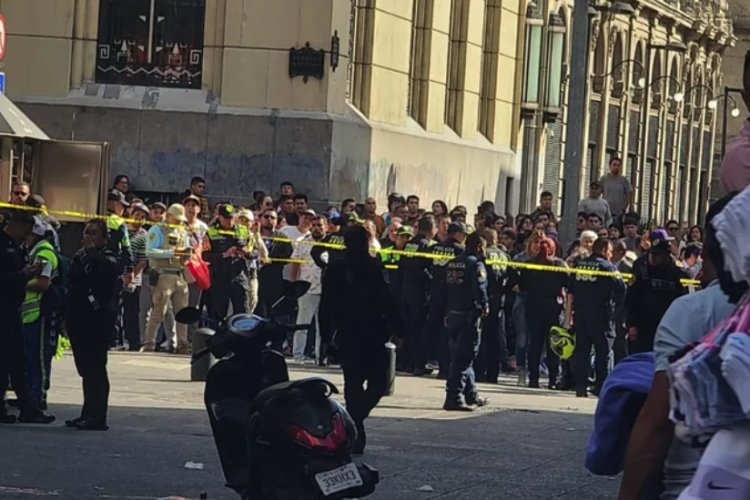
point(439, 207)
point(121, 184)
point(90, 315)
point(542, 304)
point(695, 234)
point(523, 230)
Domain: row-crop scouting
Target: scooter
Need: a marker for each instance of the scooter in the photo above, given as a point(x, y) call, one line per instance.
point(277, 439)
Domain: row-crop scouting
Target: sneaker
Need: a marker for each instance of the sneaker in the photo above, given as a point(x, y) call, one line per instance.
point(184, 350)
point(457, 406)
point(148, 348)
point(477, 401)
point(7, 418)
point(522, 377)
point(36, 417)
point(433, 365)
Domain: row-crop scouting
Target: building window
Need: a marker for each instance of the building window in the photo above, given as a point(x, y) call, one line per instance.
point(488, 78)
point(532, 56)
point(556, 61)
point(419, 64)
point(151, 42)
point(364, 29)
point(456, 77)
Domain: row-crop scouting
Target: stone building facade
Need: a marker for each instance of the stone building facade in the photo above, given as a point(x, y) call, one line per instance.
point(400, 95)
point(654, 78)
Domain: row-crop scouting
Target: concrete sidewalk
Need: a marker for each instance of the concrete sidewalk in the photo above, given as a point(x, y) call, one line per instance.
point(528, 444)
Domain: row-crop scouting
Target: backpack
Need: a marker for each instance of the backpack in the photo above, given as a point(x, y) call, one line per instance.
point(53, 300)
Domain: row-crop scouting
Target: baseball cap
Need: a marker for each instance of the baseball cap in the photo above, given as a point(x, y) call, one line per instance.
point(457, 227)
point(159, 204)
point(659, 239)
point(308, 211)
point(177, 211)
point(140, 207)
point(36, 201)
point(118, 197)
point(248, 214)
point(192, 198)
point(227, 210)
point(405, 231)
point(40, 227)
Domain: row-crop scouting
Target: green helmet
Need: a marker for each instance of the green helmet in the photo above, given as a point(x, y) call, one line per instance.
point(562, 341)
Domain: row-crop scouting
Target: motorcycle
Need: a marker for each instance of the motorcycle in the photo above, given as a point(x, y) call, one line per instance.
point(277, 439)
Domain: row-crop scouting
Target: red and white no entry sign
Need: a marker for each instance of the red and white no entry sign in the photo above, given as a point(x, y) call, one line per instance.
point(2, 36)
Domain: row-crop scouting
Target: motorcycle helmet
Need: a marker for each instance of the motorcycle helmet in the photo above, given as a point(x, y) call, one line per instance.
point(562, 342)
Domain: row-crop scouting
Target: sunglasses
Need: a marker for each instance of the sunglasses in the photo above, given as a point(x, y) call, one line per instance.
point(673, 228)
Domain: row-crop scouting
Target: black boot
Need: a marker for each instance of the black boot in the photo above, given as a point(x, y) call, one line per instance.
point(358, 447)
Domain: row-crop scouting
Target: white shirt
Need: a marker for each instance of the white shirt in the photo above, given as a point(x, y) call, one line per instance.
point(309, 271)
point(295, 235)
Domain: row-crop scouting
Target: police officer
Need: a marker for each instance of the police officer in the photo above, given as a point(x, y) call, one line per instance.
point(225, 248)
point(270, 275)
point(656, 284)
point(331, 248)
point(14, 274)
point(591, 301)
point(40, 339)
point(167, 248)
point(493, 352)
point(391, 260)
point(466, 303)
point(118, 237)
point(415, 287)
point(435, 334)
point(90, 315)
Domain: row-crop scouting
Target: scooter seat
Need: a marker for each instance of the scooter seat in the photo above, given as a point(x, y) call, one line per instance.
point(281, 389)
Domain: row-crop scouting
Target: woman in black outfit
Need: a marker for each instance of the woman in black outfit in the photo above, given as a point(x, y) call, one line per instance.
point(90, 315)
point(543, 304)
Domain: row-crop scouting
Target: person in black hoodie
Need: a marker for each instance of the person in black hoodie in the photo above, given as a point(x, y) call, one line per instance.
point(358, 316)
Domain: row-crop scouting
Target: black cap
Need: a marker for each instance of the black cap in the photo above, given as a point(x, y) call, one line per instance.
point(117, 196)
point(457, 227)
point(227, 210)
point(35, 201)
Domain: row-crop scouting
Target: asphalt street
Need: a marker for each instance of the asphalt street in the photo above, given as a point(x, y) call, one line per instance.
point(528, 444)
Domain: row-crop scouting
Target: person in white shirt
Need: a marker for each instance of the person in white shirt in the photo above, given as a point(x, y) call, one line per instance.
point(309, 303)
point(296, 233)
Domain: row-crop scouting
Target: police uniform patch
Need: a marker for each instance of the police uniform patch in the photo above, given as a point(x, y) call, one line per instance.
point(482, 273)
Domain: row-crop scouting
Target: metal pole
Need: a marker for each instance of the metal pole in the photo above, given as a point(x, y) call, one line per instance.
point(724, 123)
point(645, 112)
point(577, 111)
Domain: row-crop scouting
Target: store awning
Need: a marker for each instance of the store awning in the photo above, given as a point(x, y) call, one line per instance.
point(14, 123)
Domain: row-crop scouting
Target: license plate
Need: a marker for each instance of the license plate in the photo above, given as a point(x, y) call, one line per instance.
point(336, 480)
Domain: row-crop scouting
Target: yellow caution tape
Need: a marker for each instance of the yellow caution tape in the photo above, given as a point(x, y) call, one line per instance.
point(387, 251)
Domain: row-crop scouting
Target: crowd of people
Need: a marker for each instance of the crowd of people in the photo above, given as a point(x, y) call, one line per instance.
point(252, 250)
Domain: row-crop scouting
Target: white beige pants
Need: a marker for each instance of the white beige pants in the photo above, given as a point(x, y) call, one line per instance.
point(171, 288)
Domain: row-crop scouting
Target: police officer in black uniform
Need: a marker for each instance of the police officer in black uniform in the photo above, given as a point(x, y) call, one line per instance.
point(657, 283)
point(225, 249)
point(90, 314)
point(415, 287)
point(331, 247)
point(435, 335)
point(591, 299)
point(466, 303)
point(493, 352)
point(14, 274)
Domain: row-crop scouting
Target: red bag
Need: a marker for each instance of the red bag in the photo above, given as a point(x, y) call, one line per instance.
point(198, 268)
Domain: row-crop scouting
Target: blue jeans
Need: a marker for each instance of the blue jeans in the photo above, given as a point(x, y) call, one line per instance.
point(39, 349)
point(463, 338)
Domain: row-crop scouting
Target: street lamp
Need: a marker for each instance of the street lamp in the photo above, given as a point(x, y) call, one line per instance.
point(735, 113)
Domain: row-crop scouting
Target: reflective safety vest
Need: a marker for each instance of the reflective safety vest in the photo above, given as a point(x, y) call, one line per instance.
point(42, 254)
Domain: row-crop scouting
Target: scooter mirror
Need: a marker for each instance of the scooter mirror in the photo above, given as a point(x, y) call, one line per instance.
point(295, 290)
point(188, 315)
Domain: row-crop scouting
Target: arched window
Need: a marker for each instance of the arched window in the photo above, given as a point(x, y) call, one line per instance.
point(638, 74)
point(600, 63)
point(657, 87)
point(618, 69)
point(675, 93)
point(556, 50)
